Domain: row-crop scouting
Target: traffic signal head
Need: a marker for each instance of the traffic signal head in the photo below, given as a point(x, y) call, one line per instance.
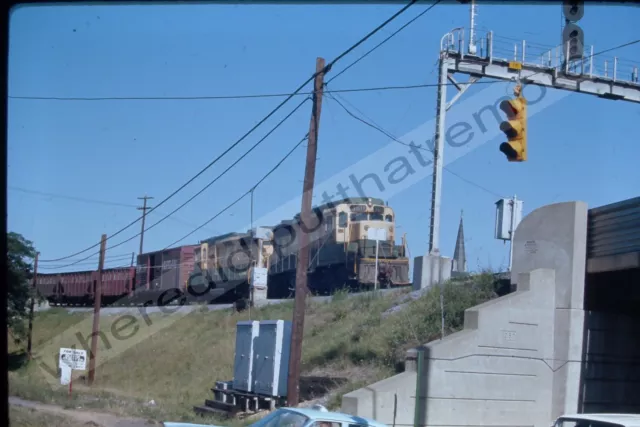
point(572, 35)
point(573, 10)
point(515, 128)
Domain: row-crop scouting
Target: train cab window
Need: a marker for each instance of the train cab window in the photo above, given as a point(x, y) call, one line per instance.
point(328, 223)
point(388, 218)
point(359, 217)
point(342, 219)
point(376, 216)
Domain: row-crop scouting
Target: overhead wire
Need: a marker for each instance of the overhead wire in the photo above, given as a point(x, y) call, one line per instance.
point(87, 200)
point(110, 259)
point(273, 129)
point(78, 199)
point(223, 97)
point(388, 134)
point(326, 69)
point(585, 58)
point(274, 95)
point(375, 126)
point(244, 194)
point(383, 41)
point(391, 136)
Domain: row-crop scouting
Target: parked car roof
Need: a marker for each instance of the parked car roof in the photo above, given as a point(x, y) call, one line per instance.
point(626, 420)
point(324, 415)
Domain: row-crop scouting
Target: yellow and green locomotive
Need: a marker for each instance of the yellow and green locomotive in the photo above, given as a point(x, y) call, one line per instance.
point(342, 237)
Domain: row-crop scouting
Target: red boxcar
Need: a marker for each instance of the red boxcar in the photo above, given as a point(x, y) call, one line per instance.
point(162, 270)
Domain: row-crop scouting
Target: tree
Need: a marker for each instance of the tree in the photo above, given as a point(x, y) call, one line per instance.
point(20, 257)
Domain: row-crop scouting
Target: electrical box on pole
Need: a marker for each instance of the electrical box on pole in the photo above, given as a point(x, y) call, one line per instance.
point(507, 212)
point(572, 35)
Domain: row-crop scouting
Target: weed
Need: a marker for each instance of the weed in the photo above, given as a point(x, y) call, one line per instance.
point(345, 337)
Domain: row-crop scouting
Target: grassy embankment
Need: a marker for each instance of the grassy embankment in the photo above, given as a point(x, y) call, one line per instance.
point(177, 366)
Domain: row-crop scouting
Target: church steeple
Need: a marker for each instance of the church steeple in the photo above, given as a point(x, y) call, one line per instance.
point(459, 254)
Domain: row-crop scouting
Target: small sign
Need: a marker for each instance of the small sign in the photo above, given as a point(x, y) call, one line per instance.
point(74, 359)
point(514, 65)
point(259, 278)
point(263, 233)
point(377, 234)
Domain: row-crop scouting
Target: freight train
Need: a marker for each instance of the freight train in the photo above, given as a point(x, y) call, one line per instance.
point(342, 254)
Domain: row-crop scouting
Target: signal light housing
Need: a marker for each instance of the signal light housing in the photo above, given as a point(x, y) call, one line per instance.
point(515, 128)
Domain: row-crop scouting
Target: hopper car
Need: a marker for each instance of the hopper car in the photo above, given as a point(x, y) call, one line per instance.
point(78, 287)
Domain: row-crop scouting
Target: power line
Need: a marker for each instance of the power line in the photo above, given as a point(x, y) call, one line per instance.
point(389, 135)
point(183, 186)
point(279, 95)
point(85, 200)
point(78, 199)
point(203, 189)
point(266, 95)
point(617, 47)
point(383, 42)
point(591, 56)
point(326, 69)
point(112, 259)
point(226, 170)
point(220, 97)
point(245, 194)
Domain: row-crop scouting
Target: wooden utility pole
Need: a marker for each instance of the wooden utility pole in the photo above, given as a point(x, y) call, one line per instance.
point(97, 295)
point(144, 209)
point(33, 298)
point(293, 385)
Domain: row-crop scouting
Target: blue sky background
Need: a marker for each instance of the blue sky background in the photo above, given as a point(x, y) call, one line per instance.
point(582, 148)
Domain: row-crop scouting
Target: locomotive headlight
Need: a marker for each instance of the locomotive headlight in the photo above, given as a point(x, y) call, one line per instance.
point(391, 228)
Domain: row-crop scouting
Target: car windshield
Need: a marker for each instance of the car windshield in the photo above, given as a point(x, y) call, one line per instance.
point(282, 418)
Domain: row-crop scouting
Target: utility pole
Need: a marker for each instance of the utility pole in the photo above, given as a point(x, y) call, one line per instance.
point(144, 209)
point(96, 311)
point(33, 297)
point(293, 384)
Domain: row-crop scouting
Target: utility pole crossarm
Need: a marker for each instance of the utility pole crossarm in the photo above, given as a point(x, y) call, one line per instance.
point(144, 208)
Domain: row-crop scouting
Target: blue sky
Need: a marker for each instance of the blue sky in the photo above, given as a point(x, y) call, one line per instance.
point(582, 148)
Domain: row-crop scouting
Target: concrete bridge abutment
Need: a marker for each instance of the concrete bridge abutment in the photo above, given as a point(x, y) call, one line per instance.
point(517, 361)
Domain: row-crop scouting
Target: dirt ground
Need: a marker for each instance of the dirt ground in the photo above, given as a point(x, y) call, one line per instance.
point(25, 413)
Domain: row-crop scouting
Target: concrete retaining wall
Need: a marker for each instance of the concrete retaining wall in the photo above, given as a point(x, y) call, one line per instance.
point(518, 359)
